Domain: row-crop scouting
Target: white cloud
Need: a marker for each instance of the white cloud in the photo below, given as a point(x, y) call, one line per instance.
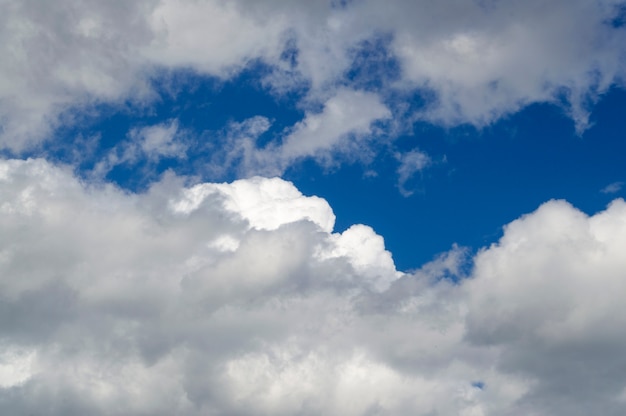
point(238, 299)
point(365, 250)
point(342, 129)
point(265, 203)
point(346, 113)
point(344, 125)
point(480, 60)
point(486, 59)
point(548, 297)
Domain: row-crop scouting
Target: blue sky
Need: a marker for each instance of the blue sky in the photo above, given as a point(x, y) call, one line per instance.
point(334, 207)
point(478, 179)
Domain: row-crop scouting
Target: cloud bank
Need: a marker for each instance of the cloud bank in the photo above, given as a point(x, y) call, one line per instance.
point(194, 301)
point(474, 61)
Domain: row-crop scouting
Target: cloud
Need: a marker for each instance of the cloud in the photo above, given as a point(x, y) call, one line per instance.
point(612, 188)
point(194, 34)
point(548, 298)
point(148, 144)
point(265, 203)
point(346, 128)
point(410, 163)
point(476, 61)
point(61, 59)
point(159, 140)
point(238, 298)
point(346, 113)
point(343, 129)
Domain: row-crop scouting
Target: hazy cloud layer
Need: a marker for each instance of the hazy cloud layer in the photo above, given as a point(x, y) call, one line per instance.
point(477, 60)
point(195, 301)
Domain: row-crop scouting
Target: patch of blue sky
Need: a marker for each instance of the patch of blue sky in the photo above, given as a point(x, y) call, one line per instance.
point(204, 108)
point(479, 385)
point(618, 19)
point(478, 179)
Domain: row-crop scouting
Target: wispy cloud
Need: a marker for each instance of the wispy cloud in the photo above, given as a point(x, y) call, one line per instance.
point(148, 144)
point(612, 188)
point(410, 163)
point(342, 129)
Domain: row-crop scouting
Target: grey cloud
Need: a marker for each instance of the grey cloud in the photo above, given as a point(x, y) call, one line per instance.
point(190, 301)
point(612, 188)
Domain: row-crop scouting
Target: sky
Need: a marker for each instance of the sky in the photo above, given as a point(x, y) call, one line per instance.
point(340, 207)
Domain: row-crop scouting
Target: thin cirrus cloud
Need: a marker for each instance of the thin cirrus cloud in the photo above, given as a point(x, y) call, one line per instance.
point(195, 301)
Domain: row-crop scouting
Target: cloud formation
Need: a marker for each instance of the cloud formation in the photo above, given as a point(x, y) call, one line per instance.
point(612, 188)
point(476, 61)
point(241, 298)
point(410, 163)
point(194, 301)
point(148, 145)
point(344, 127)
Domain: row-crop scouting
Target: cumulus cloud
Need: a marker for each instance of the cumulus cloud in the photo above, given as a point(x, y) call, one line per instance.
point(548, 297)
point(238, 298)
point(476, 60)
point(265, 203)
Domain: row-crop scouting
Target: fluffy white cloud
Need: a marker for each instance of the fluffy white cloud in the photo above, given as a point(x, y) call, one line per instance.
point(479, 60)
point(265, 203)
point(239, 299)
point(549, 297)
